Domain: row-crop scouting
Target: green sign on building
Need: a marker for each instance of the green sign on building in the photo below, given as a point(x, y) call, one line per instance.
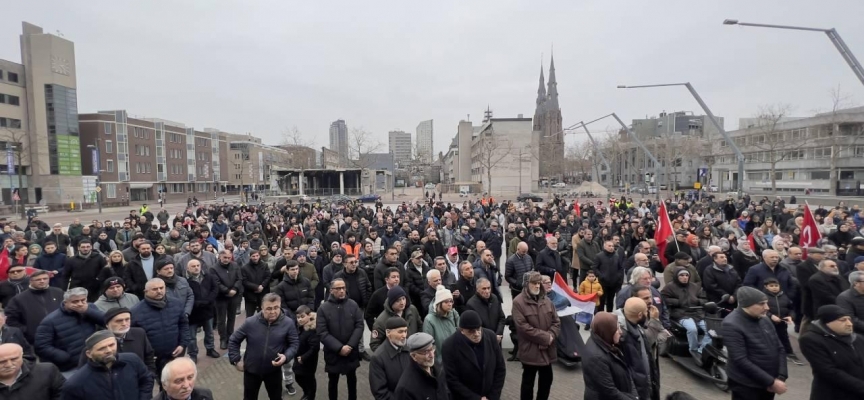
point(69, 155)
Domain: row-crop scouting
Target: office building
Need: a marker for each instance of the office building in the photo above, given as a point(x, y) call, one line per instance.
point(399, 145)
point(425, 131)
point(339, 140)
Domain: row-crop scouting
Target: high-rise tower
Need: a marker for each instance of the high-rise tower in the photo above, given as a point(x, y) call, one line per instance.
point(548, 126)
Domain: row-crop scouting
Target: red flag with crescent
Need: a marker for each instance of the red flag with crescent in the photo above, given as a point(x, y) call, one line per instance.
point(809, 231)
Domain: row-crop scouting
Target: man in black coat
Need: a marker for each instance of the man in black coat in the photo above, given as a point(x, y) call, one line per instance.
point(757, 359)
point(204, 288)
point(29, 380)
point(465, 285)
point(720, 282)
point(256, 282)
point(130, 339)
point(422, 379)
point(609, 269)
point(21, 312)
point(389, 260)
point(826, 285)
point(340, 327)
point(548, 260)
point(803, 272)
point(494, 240)
point(130, 378)
point(82, 270)
point(294, 289)
point(230, 286)
point(488, 307)
point(853, 300)
point(10, 334)
point(389, 361)
point(835, 358)
point(379, 296)
point(473, 363)
point(640, 353)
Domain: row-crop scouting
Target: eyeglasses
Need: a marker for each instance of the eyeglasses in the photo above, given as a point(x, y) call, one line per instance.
point(333, 289)
point(426, 353)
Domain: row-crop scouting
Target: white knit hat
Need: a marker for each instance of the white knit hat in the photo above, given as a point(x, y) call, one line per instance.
point(441, 294)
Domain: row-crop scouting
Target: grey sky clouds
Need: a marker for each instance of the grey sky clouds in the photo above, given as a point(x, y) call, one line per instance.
point(263, 66)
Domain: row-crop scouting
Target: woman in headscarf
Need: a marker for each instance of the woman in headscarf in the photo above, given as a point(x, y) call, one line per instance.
point(34, 251)
point(606, 374)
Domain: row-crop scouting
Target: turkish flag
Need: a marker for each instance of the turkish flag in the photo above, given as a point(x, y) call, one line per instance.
point(809, 231)
point(663, 232)
point(577, 208)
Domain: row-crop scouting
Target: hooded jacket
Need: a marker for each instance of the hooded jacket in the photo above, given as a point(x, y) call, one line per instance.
point(410, 315)
point(680, 297)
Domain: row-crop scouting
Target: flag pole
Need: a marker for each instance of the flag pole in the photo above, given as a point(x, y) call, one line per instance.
point(669, 221)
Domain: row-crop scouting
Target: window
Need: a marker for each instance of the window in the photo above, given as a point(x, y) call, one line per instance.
point(109, 146)
point(847, 175)
point(820, 175)
point(147, 167)
point(146, 150)
point(138, 168)
point(10, 123)
point(107, 127)
point(13, 100)
point(822, 152)
point(12, 77)
point(110, 166)
point(176, 188)
point(112, 190)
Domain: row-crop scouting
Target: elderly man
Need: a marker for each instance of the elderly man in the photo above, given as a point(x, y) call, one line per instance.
point(488, 307)
point(20, 312)
point(770, 268)
point(720, 282)
point(824, 286)
point(60, 337)
point(757, 361)
point(27, 380)
point(515, 268)
point(178, 382)
point(473, 363)
point(536, 334)
point(422, 379)
point(175, 286)
point(114, 295)
point(129, 339)
point(258, 363)
point(390, 360)
point(640, 353)
point(433, 280)
point(129, 377)
point(164, 320)
point(549, 260)
point(486, 267)
point(837, 364)
point(340, 327)
point(852, 300)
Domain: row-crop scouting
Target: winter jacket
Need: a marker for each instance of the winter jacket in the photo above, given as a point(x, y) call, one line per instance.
point(756, 356)
point(379, 333)
point(587, 252)
point(381, 271)
point(414, 282)
point(265, 340)
point(779, 304)
point(491, 313)
point(126, 300)
point(416, 384)
point(824, 290)
point(227, 278)
point(166, 328)
point(609, 268)
point(204, 291)
point(27, 310)
point(308, 348)
point(515, 269)
point(11, 334)
point(743, 263)
point(587, 287)
point(718, 282)
point(329, 272)
point(135, 277)
point(128, 379)
point(61, 335)
point(9, 289)
point(536, 320)
point(758, 273)
point(837, 363)
point(208, 260)
point(38, 380)
point(679, 297)
point(359, 287)
point(82, 271)
point(466, 377)
point(441, 328)
point(385, 369)
point(635, 341)
point(52, 262)
point(295, 293)
point(606, 374)
point(254, 275)
point(670, 273)
point(133, 342)
point(340, 323)
point(549, 262)
point(853, 302)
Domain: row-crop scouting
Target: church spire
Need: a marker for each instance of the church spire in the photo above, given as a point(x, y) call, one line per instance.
point(552, 93)
point(541, 91)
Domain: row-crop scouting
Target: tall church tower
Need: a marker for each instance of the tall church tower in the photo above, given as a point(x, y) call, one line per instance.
point(548, 125)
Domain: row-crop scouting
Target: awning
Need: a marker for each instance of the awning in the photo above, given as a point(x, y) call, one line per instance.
point(140, 185)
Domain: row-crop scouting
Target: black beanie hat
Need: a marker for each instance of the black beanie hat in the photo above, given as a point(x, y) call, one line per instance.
point(470, 320)
point(110, 314)
point(114, 280)
point(394, 294)
point(831, 312)
point(395, 323)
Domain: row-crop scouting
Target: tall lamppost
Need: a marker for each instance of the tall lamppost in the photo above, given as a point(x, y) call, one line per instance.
point(714, 121)
point(831, 33)
point(97, 168)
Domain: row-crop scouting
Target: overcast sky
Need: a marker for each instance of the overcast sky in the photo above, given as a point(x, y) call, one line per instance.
point(263, 66)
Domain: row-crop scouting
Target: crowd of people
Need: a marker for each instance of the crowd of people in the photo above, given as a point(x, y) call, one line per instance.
point(100, 310)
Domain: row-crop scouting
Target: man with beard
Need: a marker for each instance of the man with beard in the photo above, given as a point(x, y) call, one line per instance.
point(164, 320)
point(486, 267)
point(340, 327)
point(20, 311)
point(537, 334)
point(175, 286)
point(230, 287)
point(256, 283)
point(825, 286)
point(390, 260)
point(208, 259)
point(82, 270)
point(204, 290)
point(130, 339)
point(422, 379)
point(61, 239)
point(389, 360)
point(173, 243)
point(549, 260)
point(433, 247)
point(473, 363)
point(465, 286)
point(129, 377)
point(60, 336)
point(21, 379)
point(130, 252)
point(139, 269)
point(114, 295)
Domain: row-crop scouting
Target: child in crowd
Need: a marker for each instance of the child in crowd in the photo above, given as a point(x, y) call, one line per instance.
point(779, 305)
point(592, 286)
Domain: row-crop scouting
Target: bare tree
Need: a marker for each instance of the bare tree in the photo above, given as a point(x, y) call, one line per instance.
point(839, 136)
point(492, 151)
point(773, 143)
point(578, 160)
point(293, 137)
point(672, 148)
point(18, 142)
point(361, 144)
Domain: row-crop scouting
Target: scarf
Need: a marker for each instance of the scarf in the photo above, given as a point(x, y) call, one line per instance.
point(169, 282)
point(748, 253)
point(20, 284)
point(160, 304)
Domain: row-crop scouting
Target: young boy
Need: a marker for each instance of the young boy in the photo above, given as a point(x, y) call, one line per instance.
point(778, 310)
point(591, 286)
point(306, 362)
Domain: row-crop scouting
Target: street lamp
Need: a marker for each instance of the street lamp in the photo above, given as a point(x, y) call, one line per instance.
point(714, 121)
point(832, 34)
point(98, 164)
